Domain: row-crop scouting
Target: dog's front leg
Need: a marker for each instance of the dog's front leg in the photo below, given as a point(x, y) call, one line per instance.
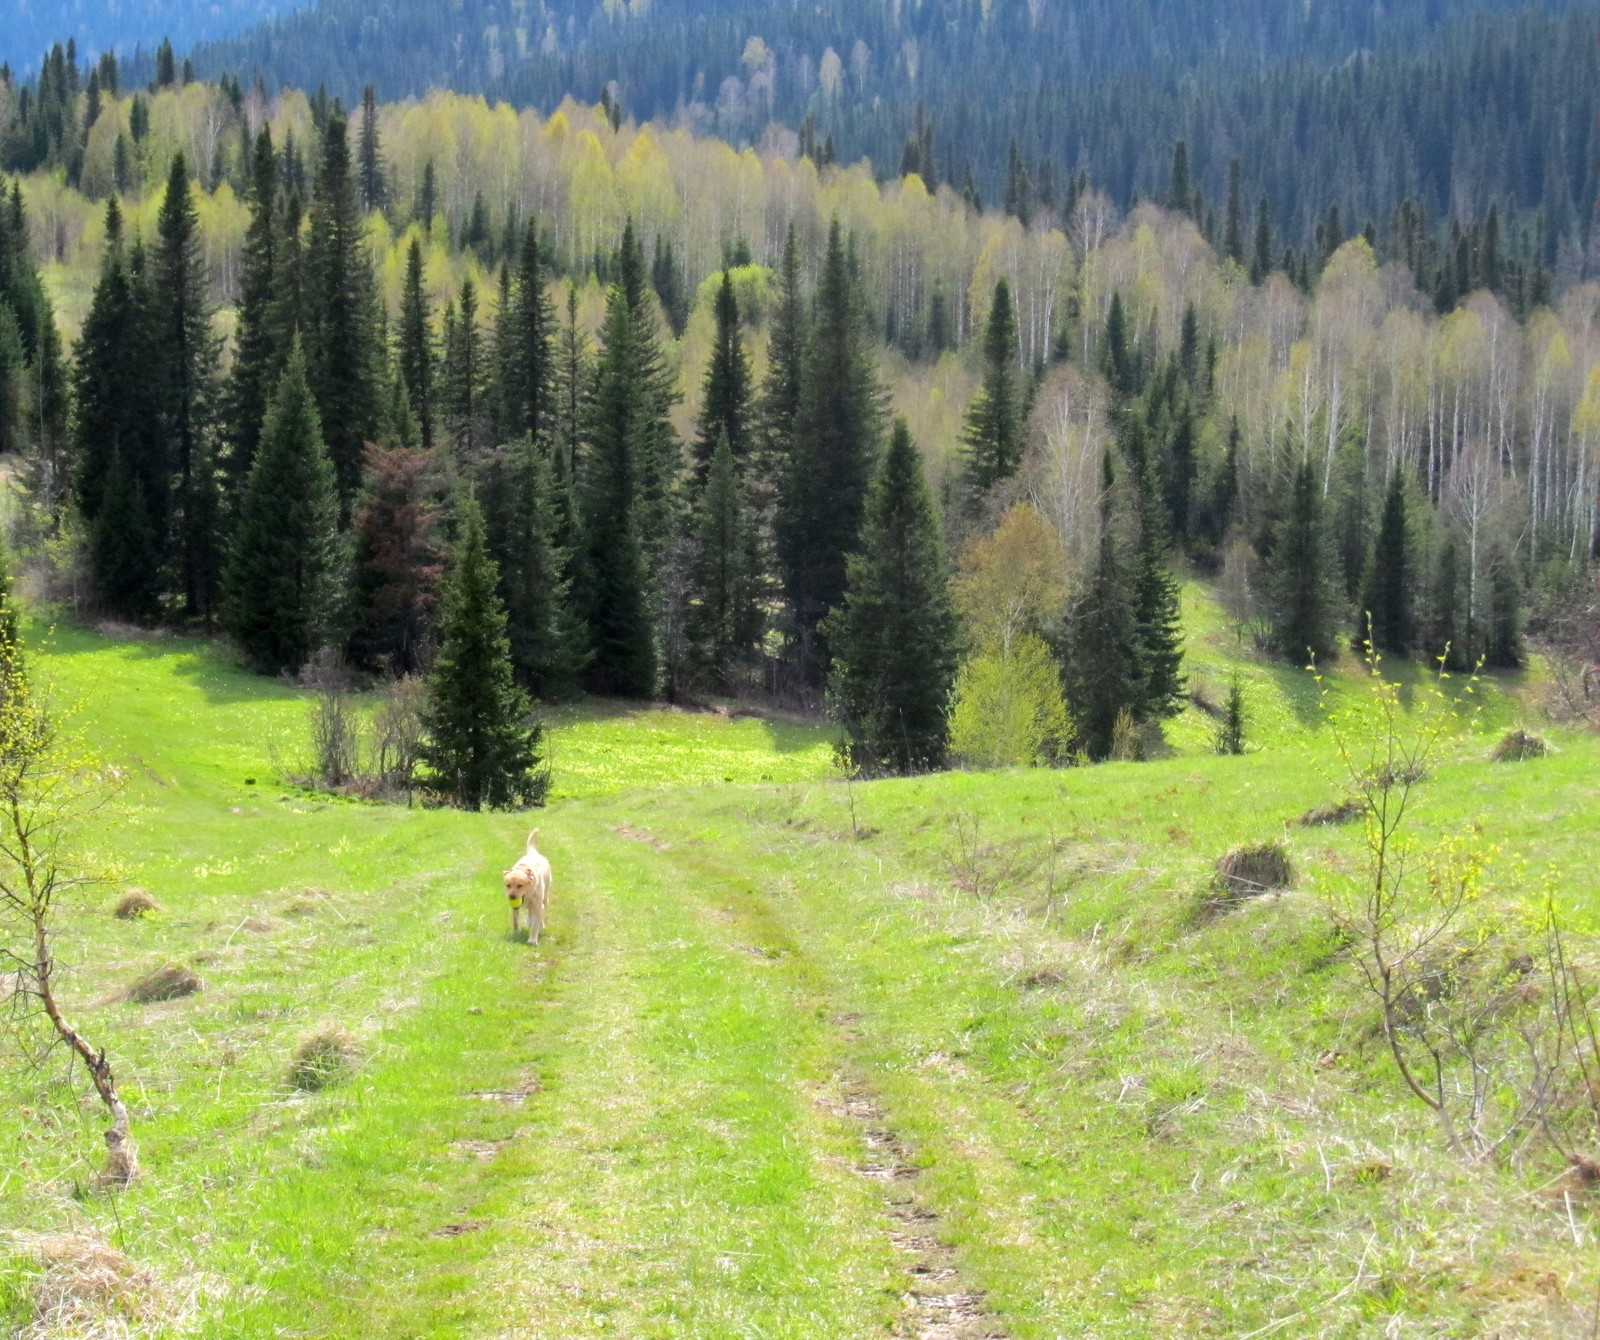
point(516, 920)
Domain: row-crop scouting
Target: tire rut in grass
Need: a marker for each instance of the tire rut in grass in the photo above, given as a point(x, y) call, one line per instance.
point(938, 1303)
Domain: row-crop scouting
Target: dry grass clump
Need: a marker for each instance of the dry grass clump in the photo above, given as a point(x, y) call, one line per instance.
point(134, 904)
point(1517, 746)
point(325, 1059)
point(1323, 816)
point(170, 982)
point(86, 1287)
point(1249, 872)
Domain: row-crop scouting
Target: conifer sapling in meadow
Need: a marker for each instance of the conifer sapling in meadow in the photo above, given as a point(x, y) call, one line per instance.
point(483, 745)
point(894, 636)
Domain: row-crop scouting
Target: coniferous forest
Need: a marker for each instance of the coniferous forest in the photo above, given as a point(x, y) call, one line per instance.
point(266, 356)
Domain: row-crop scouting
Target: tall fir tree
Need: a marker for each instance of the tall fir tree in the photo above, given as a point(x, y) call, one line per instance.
point(523, 516)
point(1301, 595)
point(779, 403)
point(623, 500)
point(257, 355)
point(992, 440)
point(288, 563)
point(724, 615)
point(185, 378)
point(528, 374)
point(838, 424)
point(1157, 618)
point(725, 403)
point(374, 190)
point(1100, 655)
point(1386, 597)
point(415, 350)
point(483, 746)
point(121, 477)
point(464, 378)
point(894, 635)
point(341, 337)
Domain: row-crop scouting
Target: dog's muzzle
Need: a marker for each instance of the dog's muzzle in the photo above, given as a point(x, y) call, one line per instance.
point(516, 899)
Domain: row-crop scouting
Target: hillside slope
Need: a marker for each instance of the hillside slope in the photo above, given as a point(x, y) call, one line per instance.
point(796, 1059)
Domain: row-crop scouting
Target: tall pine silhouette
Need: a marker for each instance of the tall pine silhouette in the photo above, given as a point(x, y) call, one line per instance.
point(287, 569)
point(992, 441)
point(893, 637)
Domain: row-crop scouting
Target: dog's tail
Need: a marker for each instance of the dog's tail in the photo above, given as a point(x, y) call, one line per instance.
point(531, 837)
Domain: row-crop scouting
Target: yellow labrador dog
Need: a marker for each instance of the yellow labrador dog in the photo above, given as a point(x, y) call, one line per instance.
point(528, 889)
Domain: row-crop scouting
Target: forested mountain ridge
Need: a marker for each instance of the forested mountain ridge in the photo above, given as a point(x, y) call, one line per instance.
point(1453, 107)
point(30, 26)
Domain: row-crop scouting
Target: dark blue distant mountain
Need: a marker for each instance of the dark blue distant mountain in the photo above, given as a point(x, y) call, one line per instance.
point(29, 27)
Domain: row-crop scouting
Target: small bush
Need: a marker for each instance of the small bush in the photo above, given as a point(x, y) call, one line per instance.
point(1517, 746)
point(172, 982)
point(324, 1060)
point(1345, 812)
point(1249, 872)
point(134, 904)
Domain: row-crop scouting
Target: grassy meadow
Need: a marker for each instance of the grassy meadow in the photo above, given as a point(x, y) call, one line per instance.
point(950, 1056)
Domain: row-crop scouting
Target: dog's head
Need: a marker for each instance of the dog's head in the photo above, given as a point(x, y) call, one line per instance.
point(518, 885)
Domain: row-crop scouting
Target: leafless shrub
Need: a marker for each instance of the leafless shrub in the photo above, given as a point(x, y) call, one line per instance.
point(984, 869)
point(398, 733)
point(335, 726)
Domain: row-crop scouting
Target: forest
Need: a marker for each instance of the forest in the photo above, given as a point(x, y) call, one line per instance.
point(1453, 108)
point(722, 421)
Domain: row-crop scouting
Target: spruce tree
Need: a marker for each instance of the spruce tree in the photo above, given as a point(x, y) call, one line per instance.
point(1233, 229)
point(779, 404)
point(286, 571)
point(724, 618)
point(1100, 660)
point(257, 356)
point(725, 406)
point(528, 372)
point(1157, 620)
point(838, 423)
point(184, 376)
point(622, 501)
point(893, 637)
point(341, 358)
point(463, 378)
point(120, 475)
point(483, 748)
point(1302, 604)
point(415, 352)
point(1386, 593)
point(523, 517)
point(992, 442)
point(374, 193)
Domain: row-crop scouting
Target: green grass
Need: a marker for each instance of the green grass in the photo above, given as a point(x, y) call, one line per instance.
point(1115, 1111)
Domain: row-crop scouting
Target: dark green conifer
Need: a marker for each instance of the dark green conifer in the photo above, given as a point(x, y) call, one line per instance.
point(893, 636)
point(529, 375)
point(287, 567)
point(257, 356)
point(342, 358)
point(725, 406)
point(837, 427)
point(992, 440)
point(724, 618)
point(1100, 658)
point(1301, 599)
point(779, 404)
point(483, 746)
point(185, 377)
point(464, 378)
point(416, 354)
point(1386, 593)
